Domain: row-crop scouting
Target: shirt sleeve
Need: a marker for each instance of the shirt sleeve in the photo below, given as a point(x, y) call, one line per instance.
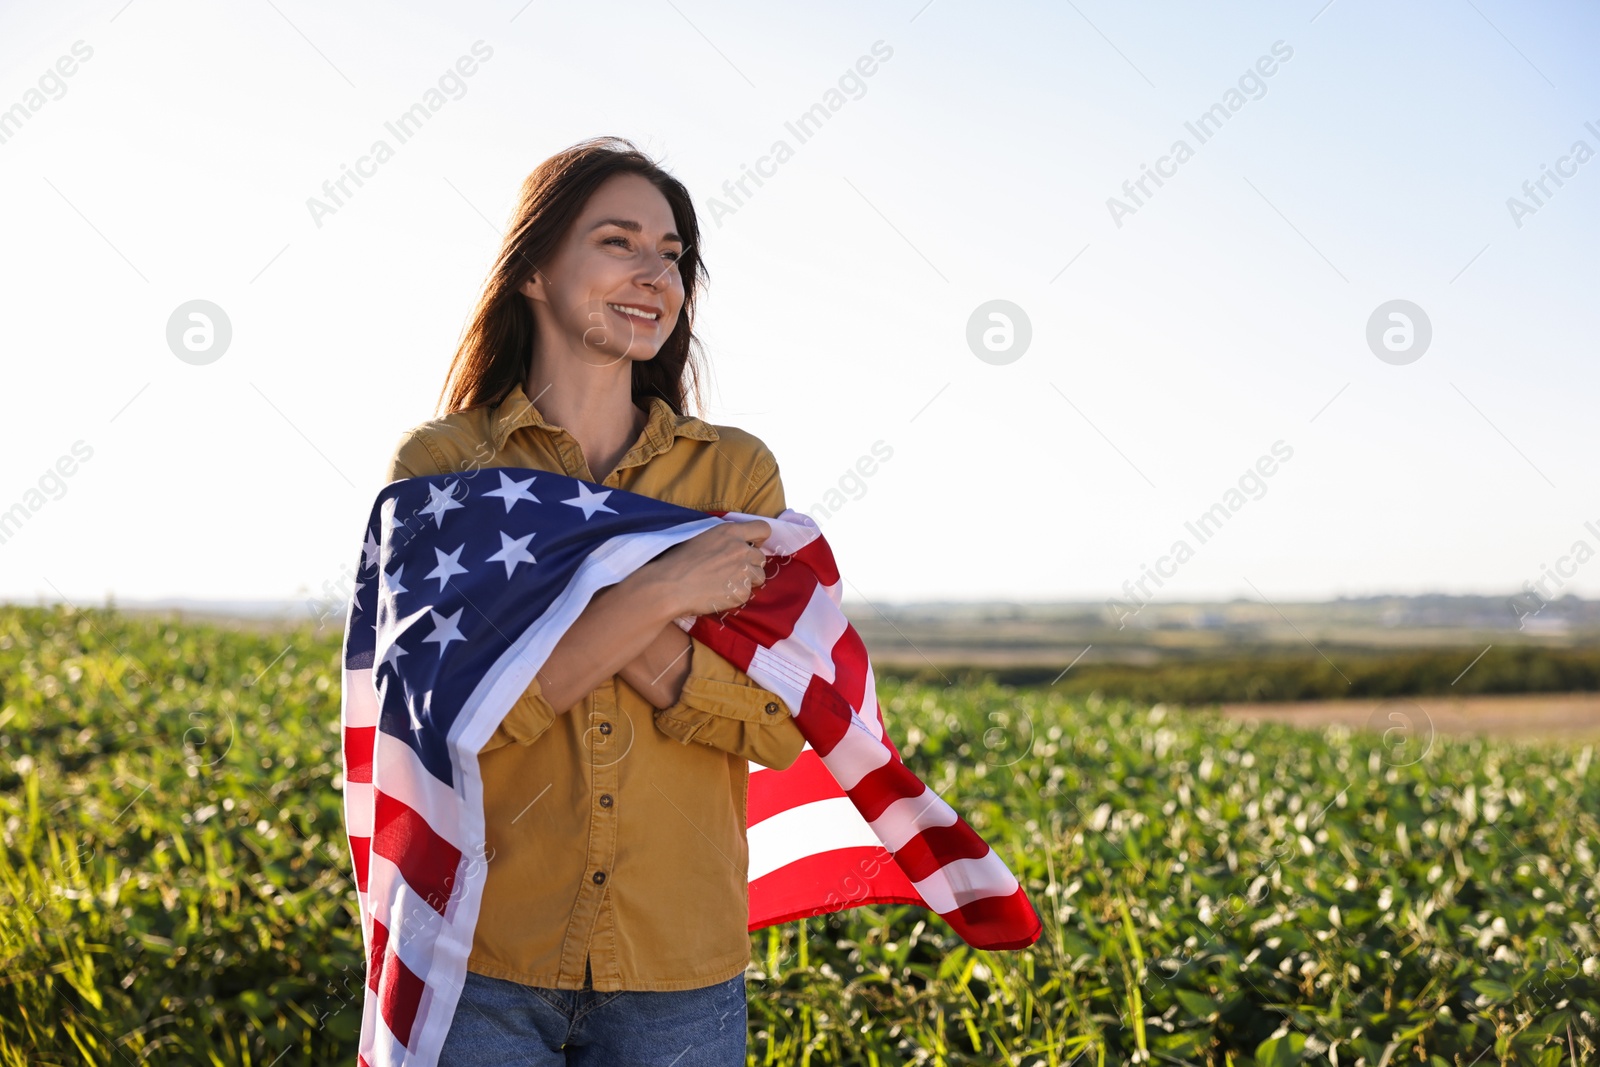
point(766, 490)
point(413, 457)
point(722, 706)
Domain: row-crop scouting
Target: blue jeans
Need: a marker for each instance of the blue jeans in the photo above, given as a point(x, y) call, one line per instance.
point(507, 1023)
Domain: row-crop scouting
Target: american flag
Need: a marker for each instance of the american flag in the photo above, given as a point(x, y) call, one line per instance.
point(445, 630)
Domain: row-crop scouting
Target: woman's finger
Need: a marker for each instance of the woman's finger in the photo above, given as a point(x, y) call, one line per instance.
point(755, 529)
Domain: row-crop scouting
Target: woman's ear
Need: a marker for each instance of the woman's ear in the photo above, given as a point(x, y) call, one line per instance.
point(529, 286)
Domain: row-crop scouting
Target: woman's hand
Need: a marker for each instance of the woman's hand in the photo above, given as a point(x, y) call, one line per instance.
point(713, 571)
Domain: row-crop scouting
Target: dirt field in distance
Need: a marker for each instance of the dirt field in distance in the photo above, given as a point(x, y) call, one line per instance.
point(1535, 716)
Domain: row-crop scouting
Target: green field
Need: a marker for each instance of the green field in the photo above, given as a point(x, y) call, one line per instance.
point(175, 883)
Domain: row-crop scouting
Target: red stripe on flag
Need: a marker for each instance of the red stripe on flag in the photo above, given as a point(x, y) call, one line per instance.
point(427, 862)
point(823, 716)
point(765, 619)
point(380, 942)
point(935, 846)
point(769, 616)
point(361, 858)
point(399, 993)
point(829, 881)
point(358, 753)
point(804, 780)
point(994, 923)
point(849, 657)
point(772, 611)
point(732, 646)
point(818, 557)
point(885, 785)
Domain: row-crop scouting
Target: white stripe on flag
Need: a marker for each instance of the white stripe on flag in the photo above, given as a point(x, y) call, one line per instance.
point(816, 631)
point(791, 531)
point(868, 703)
point(360, 699)
point(963, 881)
point(855, 755)
point(906, 817)
point(387, 1050)
point(358, 809)
point(412, 923)
point(804, 830)
point(398, 773)
point(777, 675)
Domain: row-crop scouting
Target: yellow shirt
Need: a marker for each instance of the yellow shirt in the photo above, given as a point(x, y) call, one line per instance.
point(616, 832)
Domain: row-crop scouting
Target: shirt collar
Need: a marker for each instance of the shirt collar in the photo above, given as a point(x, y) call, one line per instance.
point(662, 425)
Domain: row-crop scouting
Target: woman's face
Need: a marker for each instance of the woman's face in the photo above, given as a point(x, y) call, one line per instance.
point(621, 251)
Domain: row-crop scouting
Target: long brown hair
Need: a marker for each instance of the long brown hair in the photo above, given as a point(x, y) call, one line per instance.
point(493, 355)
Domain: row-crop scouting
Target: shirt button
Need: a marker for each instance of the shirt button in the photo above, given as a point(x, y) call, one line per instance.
point(605, 728)
point(772, 709)
point(599, 877)
point(605, 800)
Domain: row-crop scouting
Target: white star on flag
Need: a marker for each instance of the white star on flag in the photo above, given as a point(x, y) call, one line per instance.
point(445, 629)
point(511, 491)
point(590, 502)
point(441, 501)
point(392, 520)
point(392, 654)
point(389, 590)
point(513, 552)
point(448, 565)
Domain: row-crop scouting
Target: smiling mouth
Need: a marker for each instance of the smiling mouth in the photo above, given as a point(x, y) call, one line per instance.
point(634, 315)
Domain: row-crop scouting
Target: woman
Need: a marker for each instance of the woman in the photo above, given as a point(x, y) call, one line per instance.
point(613, 927)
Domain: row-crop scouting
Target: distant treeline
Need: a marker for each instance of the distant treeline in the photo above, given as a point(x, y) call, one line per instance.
point(1271, 676)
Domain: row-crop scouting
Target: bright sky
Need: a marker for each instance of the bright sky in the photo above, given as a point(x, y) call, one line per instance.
point(1175, 342)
